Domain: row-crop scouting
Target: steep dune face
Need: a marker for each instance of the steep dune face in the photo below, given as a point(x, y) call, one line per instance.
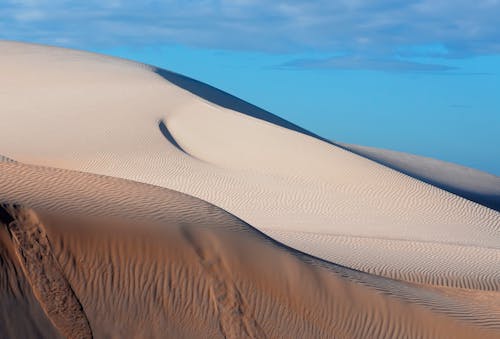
point(20, 313)
point(132, 121)
point(191, 270)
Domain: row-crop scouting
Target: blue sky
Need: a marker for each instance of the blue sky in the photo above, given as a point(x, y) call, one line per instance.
point(416, 76)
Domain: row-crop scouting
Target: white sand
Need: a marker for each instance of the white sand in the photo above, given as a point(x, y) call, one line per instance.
point(80, 111)
point(90, 255)
point(481, 187)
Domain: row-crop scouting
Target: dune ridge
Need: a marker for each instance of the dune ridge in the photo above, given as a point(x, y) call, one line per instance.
point(203, 272)
point(270, 174)
point(138, 202)
point(454, 259)
point(477, 272)
point(474, 185)
point(477, 186)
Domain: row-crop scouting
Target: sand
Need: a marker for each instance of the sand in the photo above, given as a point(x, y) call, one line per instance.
point(144, 261)
point(350, 247)
point(481, 187)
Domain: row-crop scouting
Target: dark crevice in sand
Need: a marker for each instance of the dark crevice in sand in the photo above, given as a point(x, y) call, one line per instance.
point(166, 133)
point(226, 100)
point(42, 270)
point(170, 138)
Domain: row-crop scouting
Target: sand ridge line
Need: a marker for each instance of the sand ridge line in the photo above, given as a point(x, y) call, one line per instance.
point(444, 265)
point(254, 165)
point(477, 186)
point(288, 295)
point(46, 278)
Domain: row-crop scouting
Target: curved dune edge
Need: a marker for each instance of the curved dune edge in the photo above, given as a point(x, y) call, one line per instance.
point(406, 262)
point(193, 270)
point(477, 186)
point(269, 173)
point(433, 264)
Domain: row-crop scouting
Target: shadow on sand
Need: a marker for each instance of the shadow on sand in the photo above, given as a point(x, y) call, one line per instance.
point(166, 133)
point(229, 101)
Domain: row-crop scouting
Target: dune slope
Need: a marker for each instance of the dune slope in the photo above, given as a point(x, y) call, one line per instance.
point(474, 185)
point(133, 121)
point(144, 261)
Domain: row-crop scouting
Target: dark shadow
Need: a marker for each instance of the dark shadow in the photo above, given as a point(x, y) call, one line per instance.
point(229, 101)
point(5, 217)
point(166, 133)
point(3, 158)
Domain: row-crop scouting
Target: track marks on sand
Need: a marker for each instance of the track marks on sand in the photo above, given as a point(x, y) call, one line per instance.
point(236, 321)
point(42, 270)
point(218, 277)
point(268, 172)
point(204, 273)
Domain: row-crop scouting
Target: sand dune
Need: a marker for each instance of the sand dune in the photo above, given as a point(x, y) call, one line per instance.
point(471, 184)
point(404, 246)
point(144, 261)
point(277, 179)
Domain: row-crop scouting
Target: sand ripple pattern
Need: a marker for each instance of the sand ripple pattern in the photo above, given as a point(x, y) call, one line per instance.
point(131, 121)
point(203, 272)
point(363, 249)
point(428, 263)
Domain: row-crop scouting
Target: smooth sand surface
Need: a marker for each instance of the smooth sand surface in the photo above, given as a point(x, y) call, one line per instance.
point(77, 111)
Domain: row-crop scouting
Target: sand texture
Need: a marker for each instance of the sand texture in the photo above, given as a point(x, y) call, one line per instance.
point(141, 203)
point(474, 185)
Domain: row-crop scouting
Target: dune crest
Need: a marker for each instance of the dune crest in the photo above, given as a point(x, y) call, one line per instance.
point(142, 203)
point(202, 272)
point(480, 187)
point(270, 173)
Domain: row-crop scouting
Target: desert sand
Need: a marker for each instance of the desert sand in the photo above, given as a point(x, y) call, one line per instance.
point(481, 187)
point(141, 203)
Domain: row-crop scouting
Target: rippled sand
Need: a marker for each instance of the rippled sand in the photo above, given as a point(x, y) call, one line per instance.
point(250, 226)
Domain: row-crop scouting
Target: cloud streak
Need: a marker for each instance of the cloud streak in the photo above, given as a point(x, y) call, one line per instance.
point(362, 27)
point(363, 63)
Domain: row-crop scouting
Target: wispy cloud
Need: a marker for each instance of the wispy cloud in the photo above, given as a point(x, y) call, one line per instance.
point(364, 63)
point(361, 27)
